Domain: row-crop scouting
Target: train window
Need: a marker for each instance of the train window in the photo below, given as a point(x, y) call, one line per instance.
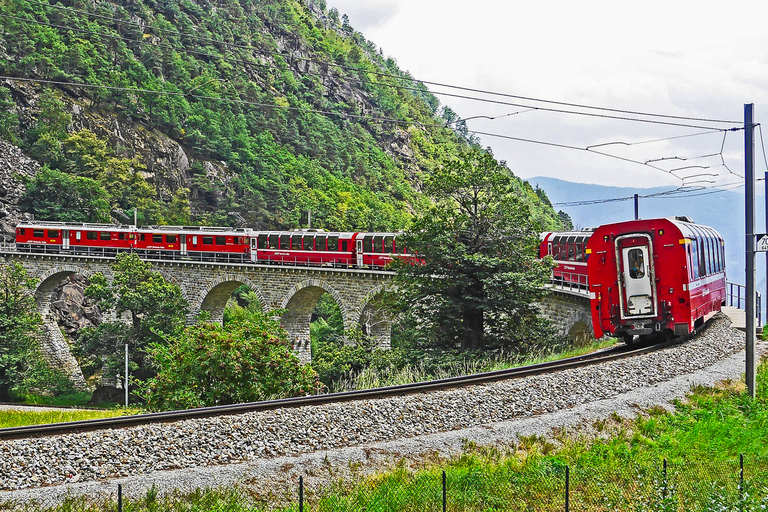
point(105, 235)
point(91, 235)
point(78, 235)
point(333, 243)
point(695, 261)
point(344, 245)
point(285, 242)
point(194, 240)
point(309, 243)
point(579, 256)
point(157, 239)
point(389, 244)
point(142, 237)
point(702, 258)
point(274, 241)
point(636, 263)
point(131, 236)
point(556, 248)
point(21, 231)
point(221, 240)
point(570, 246)
point(262, 242)
point(207, 240)
point(320, 243)
point(367, 244)
point(53, 233)
point(171, 239)
point(378, 243)
point(121, 236)
point(296, 242)
point(38, 233)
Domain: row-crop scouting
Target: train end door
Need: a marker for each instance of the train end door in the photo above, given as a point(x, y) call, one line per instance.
point(637, 283)
point(65, 239)
point(359, 251)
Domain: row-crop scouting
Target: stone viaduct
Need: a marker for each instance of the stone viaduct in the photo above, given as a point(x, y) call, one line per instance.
point(207, 286)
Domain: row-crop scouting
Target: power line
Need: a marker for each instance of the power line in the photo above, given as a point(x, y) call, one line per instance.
point(439, 84)
point(397, 121)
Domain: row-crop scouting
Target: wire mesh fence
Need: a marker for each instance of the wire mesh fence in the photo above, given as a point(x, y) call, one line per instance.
point(733, 485)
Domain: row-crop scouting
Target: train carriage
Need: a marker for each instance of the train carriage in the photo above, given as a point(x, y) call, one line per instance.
point(72, 237)
point(568, 249)
point(654, 277)
point(304, 247)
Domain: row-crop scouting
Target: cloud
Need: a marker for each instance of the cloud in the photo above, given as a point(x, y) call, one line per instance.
point(367, 16)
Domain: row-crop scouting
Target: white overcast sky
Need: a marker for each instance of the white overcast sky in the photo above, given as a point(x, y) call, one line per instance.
point(688, 58)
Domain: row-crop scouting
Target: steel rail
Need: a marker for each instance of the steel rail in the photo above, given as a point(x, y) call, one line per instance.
point(620, 352)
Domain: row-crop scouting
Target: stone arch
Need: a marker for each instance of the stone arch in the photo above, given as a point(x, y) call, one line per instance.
point(373, 320)
point(579, 327)
point(218, 292)
point(50, 279)
point(299, 303)
point(52, 342)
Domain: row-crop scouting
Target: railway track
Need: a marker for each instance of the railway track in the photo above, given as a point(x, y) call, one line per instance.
point(619, 352)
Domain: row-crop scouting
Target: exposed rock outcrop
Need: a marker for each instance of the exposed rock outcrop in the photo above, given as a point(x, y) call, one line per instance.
point(15, 168)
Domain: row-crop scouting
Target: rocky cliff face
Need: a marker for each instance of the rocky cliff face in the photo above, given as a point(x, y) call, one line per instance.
point(72, 309)
point(15, 168)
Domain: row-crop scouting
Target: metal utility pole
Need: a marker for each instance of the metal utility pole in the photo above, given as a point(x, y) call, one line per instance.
point(749, 207)
point(126, 376)
point(637, 209)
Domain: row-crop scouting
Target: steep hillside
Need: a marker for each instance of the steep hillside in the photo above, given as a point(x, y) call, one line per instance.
point(234, 112)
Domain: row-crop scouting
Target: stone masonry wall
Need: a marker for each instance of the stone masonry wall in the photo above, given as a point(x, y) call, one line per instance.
point(570, 314)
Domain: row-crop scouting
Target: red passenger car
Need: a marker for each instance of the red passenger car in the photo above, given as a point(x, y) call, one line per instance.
point(71, 237)
point(194, 243)
point(304, 247)
point(375, 250)
point(568, 249)
point(658, 276)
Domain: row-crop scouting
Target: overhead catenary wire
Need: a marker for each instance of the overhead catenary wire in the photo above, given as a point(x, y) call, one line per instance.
point(485, 100)
point(399, 77)
point(379, 73)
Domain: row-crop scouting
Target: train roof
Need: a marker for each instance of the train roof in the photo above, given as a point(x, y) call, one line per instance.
point(686, 226)
point(72, 225)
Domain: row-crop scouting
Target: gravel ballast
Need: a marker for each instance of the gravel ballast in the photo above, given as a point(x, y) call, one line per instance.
point(278, 445)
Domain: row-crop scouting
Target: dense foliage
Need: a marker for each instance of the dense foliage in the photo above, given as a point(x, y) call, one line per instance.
point(248, 359)
point(155, 309)
point(23, 367)
point(281, 107)
point(478, 277)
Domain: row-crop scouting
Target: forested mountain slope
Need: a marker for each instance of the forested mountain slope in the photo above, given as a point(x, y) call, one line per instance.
point(232, 112)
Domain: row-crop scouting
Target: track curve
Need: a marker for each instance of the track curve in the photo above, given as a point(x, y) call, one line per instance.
point(52, 429)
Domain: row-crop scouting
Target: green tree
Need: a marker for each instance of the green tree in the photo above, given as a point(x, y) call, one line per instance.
point(478, 278)
point(248, 359)
point(55, 195)
point(154, 307)
point(22, 364)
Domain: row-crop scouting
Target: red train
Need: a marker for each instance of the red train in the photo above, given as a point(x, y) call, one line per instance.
point(651, 277)
point(298, 247)
point(568, 249)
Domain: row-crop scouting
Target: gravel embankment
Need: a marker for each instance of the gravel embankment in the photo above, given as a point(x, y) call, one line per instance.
point(282, 444)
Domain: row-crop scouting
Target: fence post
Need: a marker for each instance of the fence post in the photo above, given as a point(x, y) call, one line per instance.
point(301, 494)
point(444, 493)
point(741, 482)
point(567, 488)
point(664, 482)
point(119, 497)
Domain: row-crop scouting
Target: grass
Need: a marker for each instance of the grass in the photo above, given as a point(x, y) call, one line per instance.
point(15, 418)
point(373, 378)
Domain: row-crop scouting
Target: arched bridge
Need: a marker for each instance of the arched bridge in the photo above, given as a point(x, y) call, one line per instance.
point(207, 286)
